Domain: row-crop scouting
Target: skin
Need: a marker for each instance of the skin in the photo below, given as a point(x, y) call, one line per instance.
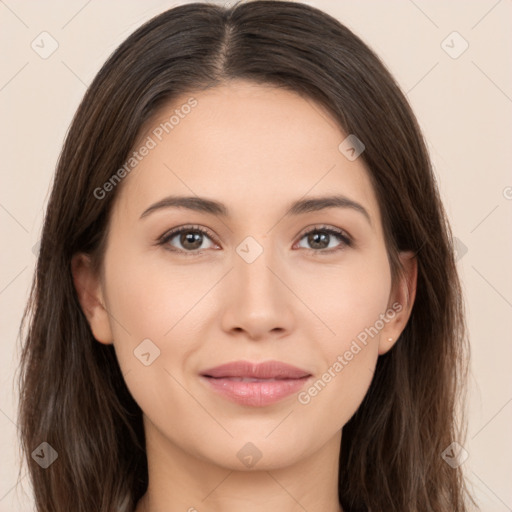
point(256, 149)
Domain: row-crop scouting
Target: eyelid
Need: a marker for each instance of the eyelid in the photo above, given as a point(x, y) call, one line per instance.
point(325, 227)
point(341, 233)
point(171, 233)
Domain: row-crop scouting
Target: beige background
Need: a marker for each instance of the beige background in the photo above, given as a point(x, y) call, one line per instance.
point(464, 106)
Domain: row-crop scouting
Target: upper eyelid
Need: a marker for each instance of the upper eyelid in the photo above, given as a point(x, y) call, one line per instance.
point(175, 231)
point(324, 227)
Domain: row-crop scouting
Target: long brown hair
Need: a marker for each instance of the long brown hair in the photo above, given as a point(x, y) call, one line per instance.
point(72, 393)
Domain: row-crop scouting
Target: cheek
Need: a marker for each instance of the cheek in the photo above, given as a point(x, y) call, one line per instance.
point(148, 300)
point(152, 312)
point(348, 297)
point(334, 396)
point(151, 295)
point(361, 297)
point(351, 301)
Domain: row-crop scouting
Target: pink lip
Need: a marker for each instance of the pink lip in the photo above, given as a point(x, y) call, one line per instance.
point(272, 382)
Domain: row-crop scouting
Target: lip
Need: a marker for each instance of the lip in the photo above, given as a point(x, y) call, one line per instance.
point(264, 370)
point(255, 384)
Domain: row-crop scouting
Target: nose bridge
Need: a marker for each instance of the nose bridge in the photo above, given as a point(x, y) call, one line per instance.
point(253, 263)
point(260, 301)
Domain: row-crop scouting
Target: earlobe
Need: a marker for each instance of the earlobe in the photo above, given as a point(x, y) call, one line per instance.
point(401, 302)
point(88, 288)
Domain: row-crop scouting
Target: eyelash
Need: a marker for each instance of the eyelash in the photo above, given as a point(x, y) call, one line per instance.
point(340, 234)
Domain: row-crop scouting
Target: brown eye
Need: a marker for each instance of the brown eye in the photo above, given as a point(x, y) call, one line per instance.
point(187, 239)
point(324, 239)
point(190, 239)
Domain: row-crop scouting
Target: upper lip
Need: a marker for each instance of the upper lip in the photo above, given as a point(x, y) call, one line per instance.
point(264, 370)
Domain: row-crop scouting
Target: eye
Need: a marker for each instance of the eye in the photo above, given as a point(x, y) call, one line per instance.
point(320, 238)
point(191, 239)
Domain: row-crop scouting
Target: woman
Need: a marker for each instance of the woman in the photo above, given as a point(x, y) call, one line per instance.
point(246, 294)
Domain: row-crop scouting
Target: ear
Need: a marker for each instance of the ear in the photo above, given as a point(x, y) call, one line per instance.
point(401, 301)
point(90, 296)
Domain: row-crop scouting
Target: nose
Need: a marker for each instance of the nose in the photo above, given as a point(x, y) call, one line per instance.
point(258, 302)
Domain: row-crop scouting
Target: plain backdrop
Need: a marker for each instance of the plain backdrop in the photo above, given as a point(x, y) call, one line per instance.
point(451, 58)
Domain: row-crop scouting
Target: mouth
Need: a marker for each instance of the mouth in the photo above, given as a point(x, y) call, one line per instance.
point(267, 370)
point(247, 379)
point(253, 384)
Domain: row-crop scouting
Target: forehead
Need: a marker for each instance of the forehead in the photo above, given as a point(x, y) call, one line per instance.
point(247, 145)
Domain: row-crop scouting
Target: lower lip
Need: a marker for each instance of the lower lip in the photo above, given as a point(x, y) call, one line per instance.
point(256, 394)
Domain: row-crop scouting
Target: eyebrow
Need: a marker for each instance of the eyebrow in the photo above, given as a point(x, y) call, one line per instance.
point(299, 207)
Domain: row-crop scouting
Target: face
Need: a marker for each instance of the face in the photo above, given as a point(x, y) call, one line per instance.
point(249, 280)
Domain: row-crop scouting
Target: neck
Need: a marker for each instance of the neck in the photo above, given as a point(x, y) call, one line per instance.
point(180, 481)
